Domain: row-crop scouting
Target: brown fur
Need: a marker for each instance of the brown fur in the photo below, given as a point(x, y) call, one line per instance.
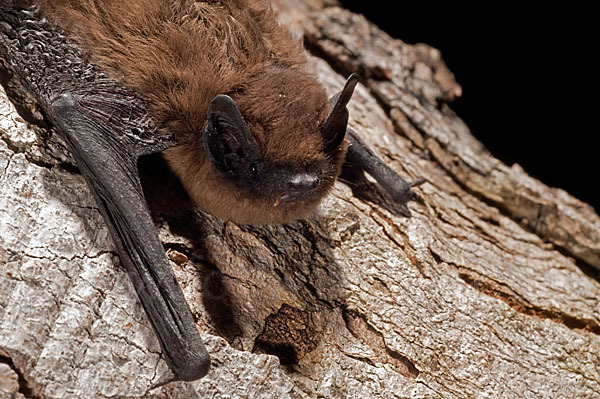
point(179, 54)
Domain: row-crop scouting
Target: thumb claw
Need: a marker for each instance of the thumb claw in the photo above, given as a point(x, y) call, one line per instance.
point(417, 182)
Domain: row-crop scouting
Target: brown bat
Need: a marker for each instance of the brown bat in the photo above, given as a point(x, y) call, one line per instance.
point(220, 88)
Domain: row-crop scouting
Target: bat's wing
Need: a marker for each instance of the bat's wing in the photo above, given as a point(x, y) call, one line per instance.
point(106, 151)
point(360, 154)
point(107, 128)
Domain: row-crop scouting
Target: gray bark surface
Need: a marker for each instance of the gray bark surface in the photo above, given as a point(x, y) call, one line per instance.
point(490, 289)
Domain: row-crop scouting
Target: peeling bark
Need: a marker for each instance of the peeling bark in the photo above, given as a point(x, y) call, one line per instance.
point(490, 289)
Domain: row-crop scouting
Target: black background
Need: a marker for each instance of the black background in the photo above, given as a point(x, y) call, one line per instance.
point(529, 80)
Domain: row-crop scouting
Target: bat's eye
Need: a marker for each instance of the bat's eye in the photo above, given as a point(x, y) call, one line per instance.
point(254, 168)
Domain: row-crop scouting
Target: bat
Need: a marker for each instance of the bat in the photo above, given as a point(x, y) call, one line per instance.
point(220, 88)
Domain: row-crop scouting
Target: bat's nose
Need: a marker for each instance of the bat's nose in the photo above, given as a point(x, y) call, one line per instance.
point(304, 181)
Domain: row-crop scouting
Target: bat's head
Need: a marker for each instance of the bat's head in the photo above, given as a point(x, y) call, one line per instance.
point(274, 149)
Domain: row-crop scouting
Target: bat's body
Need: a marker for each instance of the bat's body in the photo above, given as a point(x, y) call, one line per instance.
point(220, 87)
point(179, 55)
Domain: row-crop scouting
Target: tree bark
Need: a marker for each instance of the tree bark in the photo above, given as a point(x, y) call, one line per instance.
point(490, 289)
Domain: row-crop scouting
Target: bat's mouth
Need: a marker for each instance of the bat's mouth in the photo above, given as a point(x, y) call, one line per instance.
point(291, 197)
point(286, 197)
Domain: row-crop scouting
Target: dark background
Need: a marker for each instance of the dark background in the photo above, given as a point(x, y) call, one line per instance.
point(529, 79)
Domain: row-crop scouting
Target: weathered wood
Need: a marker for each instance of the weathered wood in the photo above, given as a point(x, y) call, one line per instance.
point(487, 291)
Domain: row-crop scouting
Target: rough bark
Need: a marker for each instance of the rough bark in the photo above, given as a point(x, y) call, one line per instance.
point(490, 289)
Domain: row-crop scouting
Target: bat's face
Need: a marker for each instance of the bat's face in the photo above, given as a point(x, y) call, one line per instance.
point(269, 160)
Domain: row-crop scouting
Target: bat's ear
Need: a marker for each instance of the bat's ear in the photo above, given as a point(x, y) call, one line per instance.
point(227, 139)
point(334, 126)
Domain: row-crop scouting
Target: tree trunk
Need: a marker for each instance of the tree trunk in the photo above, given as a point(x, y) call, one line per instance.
point(490, 289)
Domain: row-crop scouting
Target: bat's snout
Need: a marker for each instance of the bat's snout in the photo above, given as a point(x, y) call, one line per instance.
point(304, 181)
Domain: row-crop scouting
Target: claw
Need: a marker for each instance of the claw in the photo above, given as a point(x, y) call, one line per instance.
point(417, 182)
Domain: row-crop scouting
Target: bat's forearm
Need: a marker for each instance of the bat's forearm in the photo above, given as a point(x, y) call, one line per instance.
point(110, 170)
point(361, 156)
